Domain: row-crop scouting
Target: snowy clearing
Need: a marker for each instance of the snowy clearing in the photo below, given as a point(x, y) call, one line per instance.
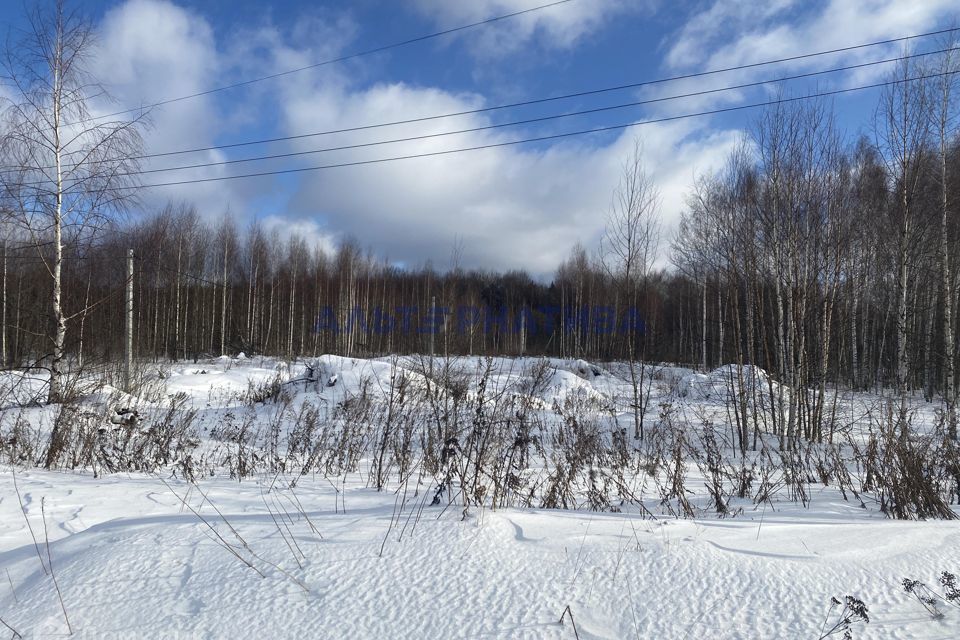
point(287, 554)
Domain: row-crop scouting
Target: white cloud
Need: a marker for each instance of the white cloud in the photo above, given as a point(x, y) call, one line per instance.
point(733, 33)
point(151, 50)
point(708, 29)
point(310, 231)
point(561, 26)
point(730, 33)
point(511, 207)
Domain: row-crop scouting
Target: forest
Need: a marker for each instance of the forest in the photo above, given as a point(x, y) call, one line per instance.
point(823, 259)
point(737, 417)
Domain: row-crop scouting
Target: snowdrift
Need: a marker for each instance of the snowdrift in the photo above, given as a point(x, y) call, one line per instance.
point(725, 383)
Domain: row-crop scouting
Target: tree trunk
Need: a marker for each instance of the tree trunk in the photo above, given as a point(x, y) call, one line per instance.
point(59, 318)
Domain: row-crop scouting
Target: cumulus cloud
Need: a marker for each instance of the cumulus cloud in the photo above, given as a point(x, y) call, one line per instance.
point(561, 26)
point(510, 207)
point(310, 231)
point(731, 32)
point(728, 33)
point(151, 50)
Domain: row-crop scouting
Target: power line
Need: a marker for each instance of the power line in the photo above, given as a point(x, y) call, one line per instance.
point(28, 245)
point(155, 260)
point(66, 258)
point(36, 261)
point(620, 87)
point(543, 138)
point(578, 94)
point(343, 58)
point(188, 275)
point(527, 121)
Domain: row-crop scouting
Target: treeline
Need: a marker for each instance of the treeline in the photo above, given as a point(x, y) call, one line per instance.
point(790, 258)
point(827, 264)
point(822, 261)
point(205, 289)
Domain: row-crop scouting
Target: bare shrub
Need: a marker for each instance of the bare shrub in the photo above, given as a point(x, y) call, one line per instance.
point(913, 478)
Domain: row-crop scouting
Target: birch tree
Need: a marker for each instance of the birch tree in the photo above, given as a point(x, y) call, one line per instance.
point(65, 170)
point(629, 250)
point(903, 127)
point(943, 121)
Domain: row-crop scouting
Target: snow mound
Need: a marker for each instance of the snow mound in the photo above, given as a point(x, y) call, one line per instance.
point(23, 388)
point(725, 382)
point(341, 376)
point(587, 370)
point(563, 384)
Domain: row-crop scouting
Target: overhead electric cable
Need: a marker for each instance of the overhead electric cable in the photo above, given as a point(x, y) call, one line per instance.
point(632, 85)
point(343, 58)
point(556, 136)
point(578, 94)
point(547, 118)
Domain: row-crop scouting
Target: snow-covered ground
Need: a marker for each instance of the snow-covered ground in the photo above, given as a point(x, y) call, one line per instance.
point(150, 555)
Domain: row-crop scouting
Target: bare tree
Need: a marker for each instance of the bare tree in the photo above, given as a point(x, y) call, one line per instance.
point(943, 114)
point(903, 128)
point(628, 251)
point(695, 245)
point(65, 170)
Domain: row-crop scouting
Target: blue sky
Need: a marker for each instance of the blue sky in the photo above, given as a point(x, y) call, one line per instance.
point(512, 207)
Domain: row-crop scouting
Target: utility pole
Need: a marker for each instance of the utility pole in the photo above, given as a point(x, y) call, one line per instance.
point(433, 330)
point(128, 346)
point(523, 329)
point(3, 312)
point(223, 307)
